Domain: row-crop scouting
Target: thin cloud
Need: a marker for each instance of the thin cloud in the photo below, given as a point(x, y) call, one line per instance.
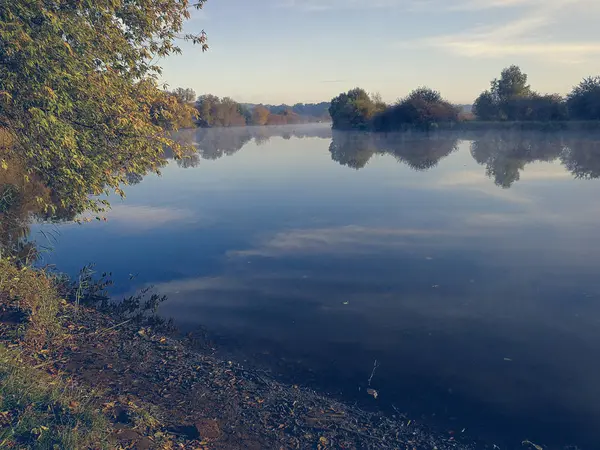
point(413, 5)
point(528, 35)
point(343, 240)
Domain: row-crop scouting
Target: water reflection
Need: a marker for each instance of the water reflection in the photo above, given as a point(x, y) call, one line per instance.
point(419, 152)
point(582, 157)
point(21, 200)
point(503, 154)
point(213, 143)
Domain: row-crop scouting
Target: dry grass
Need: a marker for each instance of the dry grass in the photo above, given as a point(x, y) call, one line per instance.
point(6, 139)
point(31, 293)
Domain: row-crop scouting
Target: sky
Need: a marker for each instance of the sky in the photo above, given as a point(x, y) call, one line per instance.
point(290, 51)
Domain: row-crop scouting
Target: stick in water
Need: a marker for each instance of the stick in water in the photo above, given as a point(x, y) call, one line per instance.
point(375, 366)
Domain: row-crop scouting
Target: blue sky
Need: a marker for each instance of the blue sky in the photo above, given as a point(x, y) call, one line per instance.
point(288, 51)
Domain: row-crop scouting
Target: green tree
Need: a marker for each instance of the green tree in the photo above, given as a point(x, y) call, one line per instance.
point(352, 110)
point(423, 108)
point(506, 99)
point(486, 107)
point(512, 83)
point(77, 90)
point(584, 100)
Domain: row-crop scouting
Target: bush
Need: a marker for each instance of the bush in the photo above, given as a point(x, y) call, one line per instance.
point(423, 109)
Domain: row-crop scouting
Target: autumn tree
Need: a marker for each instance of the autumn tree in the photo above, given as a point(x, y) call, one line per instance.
point(78, 84)
point(216, 112)
point(172, 112)
point(260, 115)
point(207, 109)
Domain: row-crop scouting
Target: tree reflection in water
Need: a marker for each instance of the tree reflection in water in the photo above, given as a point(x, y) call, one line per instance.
point(420, 152)
point(504, 155)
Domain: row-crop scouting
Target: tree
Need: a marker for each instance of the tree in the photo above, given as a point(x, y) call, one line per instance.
point(486, 107)
point(352, 110)
point(170, 112)
point(511, 98)
point(512, 83)
point(230, 113)
point(77, 88)
point(584, 100)
point(509, 91)
point(260, 115)
point(216, 112)
point(207, 105)
point(545, 108)
point(184, 95)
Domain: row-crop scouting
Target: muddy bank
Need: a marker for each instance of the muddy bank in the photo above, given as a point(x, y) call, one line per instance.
point(202, 400)
point(162, 392)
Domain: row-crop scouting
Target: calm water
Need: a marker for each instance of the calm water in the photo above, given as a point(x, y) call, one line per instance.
point(468, 269)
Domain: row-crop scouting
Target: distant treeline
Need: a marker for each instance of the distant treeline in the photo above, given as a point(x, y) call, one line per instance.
point(509, 99)
point(504, 154)
point(317, 111)
point(212, 111)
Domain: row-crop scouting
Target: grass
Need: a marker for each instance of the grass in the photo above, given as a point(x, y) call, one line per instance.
point(40, 411)
point(39, 407)
point(31, 293)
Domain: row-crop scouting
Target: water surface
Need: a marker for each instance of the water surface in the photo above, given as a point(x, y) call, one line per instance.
point(466, 267)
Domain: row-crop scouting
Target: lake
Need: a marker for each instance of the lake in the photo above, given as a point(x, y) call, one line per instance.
point(464, 269)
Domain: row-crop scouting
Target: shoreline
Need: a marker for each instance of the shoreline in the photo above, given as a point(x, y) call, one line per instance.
point(156, 391)
point(482, 126)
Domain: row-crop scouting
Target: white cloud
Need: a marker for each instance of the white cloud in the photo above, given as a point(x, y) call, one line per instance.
point(415, 5)
point(350, 239)
point(530, 34)
point(142, 218)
